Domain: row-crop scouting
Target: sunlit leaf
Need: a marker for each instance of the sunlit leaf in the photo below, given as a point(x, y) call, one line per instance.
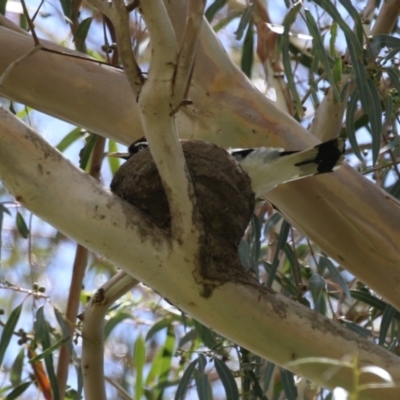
point(68, 139)
point(113, 162)
point(161, 365)
point(140, 360)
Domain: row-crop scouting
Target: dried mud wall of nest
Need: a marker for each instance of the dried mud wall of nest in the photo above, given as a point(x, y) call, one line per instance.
point(224, 198)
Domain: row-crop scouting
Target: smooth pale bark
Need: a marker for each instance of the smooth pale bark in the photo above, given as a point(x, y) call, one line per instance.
point(353, 220)
point(270, 325)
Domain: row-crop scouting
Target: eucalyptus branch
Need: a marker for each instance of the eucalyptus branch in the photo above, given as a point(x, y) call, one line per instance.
point(119, 16)
point(156, 107)
point(93, 333)
point(263, 322)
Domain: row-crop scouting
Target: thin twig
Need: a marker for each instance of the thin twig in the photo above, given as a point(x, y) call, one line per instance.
point(30, 23)
point(187, 51)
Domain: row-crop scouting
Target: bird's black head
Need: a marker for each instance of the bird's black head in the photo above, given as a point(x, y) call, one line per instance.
point(137, 146)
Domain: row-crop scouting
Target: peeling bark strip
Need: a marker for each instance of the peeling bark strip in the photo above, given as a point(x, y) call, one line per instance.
point(224, 199)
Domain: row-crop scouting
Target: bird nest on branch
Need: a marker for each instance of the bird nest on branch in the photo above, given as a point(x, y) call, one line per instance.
point(224, 200)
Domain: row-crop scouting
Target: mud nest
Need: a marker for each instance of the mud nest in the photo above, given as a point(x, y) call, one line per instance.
point(225, 203)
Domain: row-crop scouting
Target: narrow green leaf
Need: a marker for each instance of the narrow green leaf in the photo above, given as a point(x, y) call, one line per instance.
point(270, 224)
point(66, 6)
point(283, 50)
point(247, 51)
point(267, 376)
point(68, 139)
point(387, 318)
point(244, 254)
point(161, 365)
point(213, 9)
point(356, 18)
point(16, 369)
point(394, 75)
point(227, 379)
point(16, 392)
point(42, 335)
point(64, 329)
point(317, 286)
point(350, 124)
point(332, 41)
point(332, 10)
point(336, 275)
point(289, 385)
point(378, 42)
point(368, 298)
point(3, 5)
point(2, 211)
point(140, 360)
point(225, 21)
point(375, 118)
point(114, 321)
point(388, 116)
point(21, 226)
point(205, 334)
point(84, 154)
point(185, 381)
point(81, 33)
point(337, 71)
point(320, 48)
point(291, 256)
point(243, 23)
point(357, 328)
point(256, 241)
point(8, 331)
point(160, 325)
point(282, 239)
point(48, 352)
point(190, 337)
point(202, 383)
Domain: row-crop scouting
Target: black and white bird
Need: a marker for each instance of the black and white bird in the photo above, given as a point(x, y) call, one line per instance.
point(269, 167)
